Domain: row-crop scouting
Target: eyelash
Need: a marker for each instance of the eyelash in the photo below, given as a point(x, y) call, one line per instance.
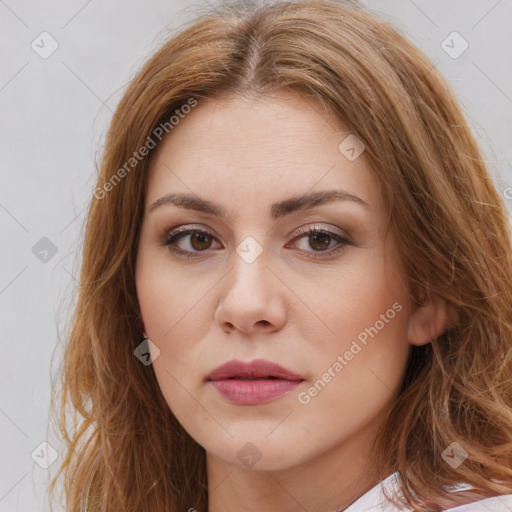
point(176, 235)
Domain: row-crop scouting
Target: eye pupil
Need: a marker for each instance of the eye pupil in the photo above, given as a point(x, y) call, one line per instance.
point(321, 238)
point(200, 238)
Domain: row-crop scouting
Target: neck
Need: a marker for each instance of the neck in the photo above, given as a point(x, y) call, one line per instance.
point(329, 482)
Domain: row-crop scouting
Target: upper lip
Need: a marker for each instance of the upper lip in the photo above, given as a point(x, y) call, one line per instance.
point(257, 368)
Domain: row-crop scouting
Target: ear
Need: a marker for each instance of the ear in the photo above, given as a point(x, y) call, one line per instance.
point(429, 320)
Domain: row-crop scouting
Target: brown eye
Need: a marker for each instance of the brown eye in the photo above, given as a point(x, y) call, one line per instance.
point(319, 241)
point(200, 241)
point(189, 242)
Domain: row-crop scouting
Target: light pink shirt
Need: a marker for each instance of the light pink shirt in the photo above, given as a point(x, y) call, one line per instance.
point(375, 501)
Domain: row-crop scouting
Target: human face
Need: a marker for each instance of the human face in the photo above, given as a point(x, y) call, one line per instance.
point(304, 302)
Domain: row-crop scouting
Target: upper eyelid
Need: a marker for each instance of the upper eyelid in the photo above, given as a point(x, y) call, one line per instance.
point(315, 226)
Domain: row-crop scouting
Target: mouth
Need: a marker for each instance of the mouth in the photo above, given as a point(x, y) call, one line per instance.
point(257, 382)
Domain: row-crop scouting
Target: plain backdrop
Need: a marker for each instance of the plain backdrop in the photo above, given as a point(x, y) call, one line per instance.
point(55, 110)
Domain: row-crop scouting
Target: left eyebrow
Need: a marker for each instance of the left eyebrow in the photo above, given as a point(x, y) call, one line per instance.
point(277, 210)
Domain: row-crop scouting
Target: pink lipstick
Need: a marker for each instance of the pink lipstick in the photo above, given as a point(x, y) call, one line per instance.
point(256, 382)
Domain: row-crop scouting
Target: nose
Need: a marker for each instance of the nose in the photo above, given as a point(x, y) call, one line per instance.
point(251, 299)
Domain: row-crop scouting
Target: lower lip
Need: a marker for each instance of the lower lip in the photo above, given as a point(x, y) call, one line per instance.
point(251, 392)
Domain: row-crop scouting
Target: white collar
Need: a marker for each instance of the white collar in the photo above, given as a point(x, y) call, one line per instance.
point(375, 501)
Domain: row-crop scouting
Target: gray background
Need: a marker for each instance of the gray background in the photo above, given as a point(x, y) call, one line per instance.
point(55, 113)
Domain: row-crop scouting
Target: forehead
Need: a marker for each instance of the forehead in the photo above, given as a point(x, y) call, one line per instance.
point(260, 129)
point(265, 149)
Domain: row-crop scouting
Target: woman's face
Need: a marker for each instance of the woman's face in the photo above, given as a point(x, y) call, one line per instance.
point(241, 279)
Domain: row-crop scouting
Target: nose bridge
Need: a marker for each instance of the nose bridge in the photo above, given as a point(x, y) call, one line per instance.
point(250, 273)
point(249, 296)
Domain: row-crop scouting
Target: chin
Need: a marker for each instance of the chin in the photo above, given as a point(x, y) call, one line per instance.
point(258, 453)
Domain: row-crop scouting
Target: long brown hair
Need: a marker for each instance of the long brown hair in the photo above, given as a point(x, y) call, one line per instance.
point(125, 451)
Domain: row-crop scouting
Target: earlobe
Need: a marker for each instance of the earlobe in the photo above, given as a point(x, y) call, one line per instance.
point(429, 320)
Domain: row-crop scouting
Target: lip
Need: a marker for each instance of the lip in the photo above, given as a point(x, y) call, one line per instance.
point(258, 381)
point(258, 368)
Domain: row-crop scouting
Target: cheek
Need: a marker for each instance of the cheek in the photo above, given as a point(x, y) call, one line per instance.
point(359, 364)
point(174, 310)
point(352, 300)
point(177, 311)
point(364, 343)
point(171, 298)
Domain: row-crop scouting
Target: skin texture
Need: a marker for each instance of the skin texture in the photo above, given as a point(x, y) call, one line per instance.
point(287, 306)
